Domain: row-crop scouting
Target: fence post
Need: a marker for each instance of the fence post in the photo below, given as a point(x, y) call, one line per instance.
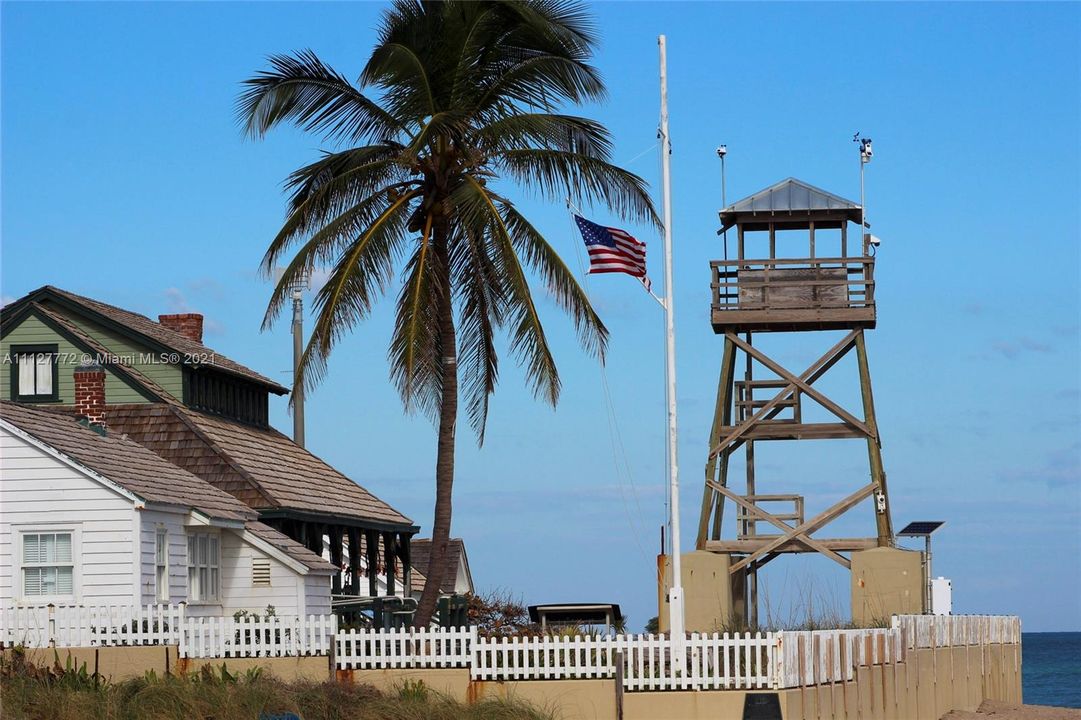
point(332, 651)
point(776, 666)
point(619, 684)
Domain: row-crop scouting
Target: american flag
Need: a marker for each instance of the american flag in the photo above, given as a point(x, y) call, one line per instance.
point(613, 250)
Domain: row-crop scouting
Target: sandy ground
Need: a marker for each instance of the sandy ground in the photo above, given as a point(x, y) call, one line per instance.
point(994, 710)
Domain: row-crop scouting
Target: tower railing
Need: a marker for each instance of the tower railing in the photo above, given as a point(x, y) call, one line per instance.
point(793, 290)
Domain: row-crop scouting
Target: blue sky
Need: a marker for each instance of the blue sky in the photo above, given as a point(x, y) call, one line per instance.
point(126, 178)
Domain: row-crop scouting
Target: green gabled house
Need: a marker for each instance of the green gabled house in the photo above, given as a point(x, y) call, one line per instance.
point(207, 414)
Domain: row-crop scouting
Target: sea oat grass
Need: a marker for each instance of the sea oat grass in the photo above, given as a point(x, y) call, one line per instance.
point(66, 693)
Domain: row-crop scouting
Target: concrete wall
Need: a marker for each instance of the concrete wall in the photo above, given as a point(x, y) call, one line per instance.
point(112, 663)
point(928, 685)
point(886, 582)
point(287, 669)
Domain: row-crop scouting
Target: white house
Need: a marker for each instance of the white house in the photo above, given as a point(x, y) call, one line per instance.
point(89, 516)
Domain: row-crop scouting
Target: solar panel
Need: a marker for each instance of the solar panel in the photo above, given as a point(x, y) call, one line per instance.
point(921, 528)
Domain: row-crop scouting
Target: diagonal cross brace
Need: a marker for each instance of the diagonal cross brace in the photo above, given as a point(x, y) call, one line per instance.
point(768, 517)
point(808, 527)
point(802, 385)
point(815, 371)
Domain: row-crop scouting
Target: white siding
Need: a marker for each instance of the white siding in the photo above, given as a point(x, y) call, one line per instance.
point(288, 592)
point(39, 491)
point(173, 523)
point(317, 590)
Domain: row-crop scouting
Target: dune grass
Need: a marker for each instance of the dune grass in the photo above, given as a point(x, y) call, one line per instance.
point(70, 693)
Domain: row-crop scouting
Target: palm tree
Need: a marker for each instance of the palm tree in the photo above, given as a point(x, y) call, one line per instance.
point(468, 93)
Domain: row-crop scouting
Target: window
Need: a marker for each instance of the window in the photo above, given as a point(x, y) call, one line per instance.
point(34, 373)
point(204, 559)
point(161, 565)
point(48, 569)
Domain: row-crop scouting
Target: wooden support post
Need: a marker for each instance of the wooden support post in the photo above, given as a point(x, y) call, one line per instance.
point(844, 239)
point(389, 561)
point(812, 239)
point(883, 522)
point(712, 501)
point(336, 558)
point(739, 244)
point(772, 242)
point(354, 561)
point(750, 527)
point(315, 538)
point(371, 549)
point(407, 564)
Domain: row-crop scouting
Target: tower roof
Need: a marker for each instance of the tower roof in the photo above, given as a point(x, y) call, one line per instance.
point(790, 197)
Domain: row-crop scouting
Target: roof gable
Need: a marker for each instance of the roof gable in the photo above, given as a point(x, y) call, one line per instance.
point(124, 462)
point(790, 196)
point(153, 334)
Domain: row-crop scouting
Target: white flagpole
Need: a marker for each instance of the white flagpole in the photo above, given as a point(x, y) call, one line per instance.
point(675, 593)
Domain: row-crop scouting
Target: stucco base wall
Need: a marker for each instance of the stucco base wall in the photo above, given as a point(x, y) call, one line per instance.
point(452, 682)
point(931, 683)
point(287, 669)
point(565, 699)
point(112, 663)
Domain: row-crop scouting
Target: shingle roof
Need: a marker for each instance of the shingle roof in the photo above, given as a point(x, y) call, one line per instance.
point(290, 547)
point(102, 352)
point(789, 196)
point(420, 551)
point(155, 332)
point(124, 462)
point(261, 466)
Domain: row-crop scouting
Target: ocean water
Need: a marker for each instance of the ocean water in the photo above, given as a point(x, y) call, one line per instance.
point(1051, 668)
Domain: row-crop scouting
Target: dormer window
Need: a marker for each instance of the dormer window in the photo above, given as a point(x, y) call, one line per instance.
point(34, 373)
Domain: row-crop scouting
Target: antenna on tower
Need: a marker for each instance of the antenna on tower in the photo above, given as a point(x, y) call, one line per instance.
point(866, 153)
point(722, 151)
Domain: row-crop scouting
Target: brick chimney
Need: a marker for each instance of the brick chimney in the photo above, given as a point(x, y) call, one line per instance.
point(189, 325)
point(90, 393)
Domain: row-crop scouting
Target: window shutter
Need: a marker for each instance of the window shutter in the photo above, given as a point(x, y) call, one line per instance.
point(260, 572)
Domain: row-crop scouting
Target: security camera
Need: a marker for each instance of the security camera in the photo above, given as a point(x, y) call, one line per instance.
point(722, 151)
point(874, 240)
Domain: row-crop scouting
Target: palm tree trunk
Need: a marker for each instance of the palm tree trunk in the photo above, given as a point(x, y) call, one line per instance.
point(444, 462)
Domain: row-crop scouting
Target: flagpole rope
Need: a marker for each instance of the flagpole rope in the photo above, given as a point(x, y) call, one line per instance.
point(615, 436)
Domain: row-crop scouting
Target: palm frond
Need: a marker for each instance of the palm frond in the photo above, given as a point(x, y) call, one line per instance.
point(358, 276)
point(528, 340)
point(415, 347)
point(561, 283)
point(328, 244)
point(545, 130)
point(303, 90)
point(559, 174)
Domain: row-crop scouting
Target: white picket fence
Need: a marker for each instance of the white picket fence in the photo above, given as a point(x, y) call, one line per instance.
point(116, 625)
point(828, 656)
point(91, 626)
point(406, 648)
point(925, 631)
point(643, 662)
point(285, 636)
point(646, 661)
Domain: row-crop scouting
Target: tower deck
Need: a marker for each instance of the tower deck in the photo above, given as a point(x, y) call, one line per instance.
point(785, 295)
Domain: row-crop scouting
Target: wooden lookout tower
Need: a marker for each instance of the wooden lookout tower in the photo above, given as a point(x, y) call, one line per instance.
point(781, 281)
